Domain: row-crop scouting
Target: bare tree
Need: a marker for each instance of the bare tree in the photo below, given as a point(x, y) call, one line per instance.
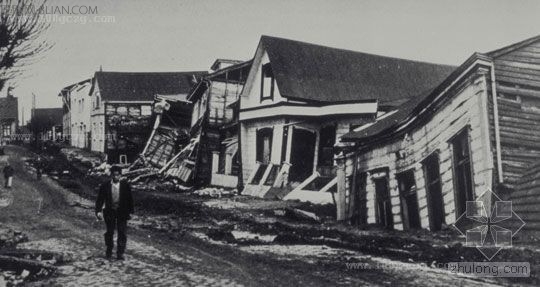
point(21, 26)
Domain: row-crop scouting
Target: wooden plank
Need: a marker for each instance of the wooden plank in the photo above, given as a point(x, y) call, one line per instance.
point(518, 91)
point(531, 49)
point(524, 53)
point(519, 81)
point(518, 74)
point(520, 63)
point(517, 70)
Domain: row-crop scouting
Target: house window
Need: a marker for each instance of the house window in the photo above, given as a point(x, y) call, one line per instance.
point(6, 130)
point(264, 145)
point(122, 110)
point(434, 192)
point(146, 110)
point(327, 139)
point(462, 171)
point(410, 213)
point(97, 102)
point(267, 82)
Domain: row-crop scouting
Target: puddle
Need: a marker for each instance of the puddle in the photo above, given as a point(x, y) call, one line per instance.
point(250, 236)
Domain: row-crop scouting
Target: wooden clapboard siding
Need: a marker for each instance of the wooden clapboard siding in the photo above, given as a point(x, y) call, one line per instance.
point(517, 74)
point(466, 108)
point(526, 199)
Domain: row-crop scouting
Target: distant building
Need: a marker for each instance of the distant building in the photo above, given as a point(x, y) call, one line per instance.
point(9, 117)
point(121, 116)
point(76, 113)
point(47, 124)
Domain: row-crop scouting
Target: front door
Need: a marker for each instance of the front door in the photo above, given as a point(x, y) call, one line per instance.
point(409, 200)
point(302, 154)
point(383, 205)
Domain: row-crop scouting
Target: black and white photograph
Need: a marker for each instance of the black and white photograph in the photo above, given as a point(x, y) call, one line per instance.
point(269, 143)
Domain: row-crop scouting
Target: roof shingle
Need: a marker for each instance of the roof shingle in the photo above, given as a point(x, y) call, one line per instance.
point(318, 73)
point(130, 86)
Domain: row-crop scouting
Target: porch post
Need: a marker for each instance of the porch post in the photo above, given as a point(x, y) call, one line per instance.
point(341, 189)
point(215, 162)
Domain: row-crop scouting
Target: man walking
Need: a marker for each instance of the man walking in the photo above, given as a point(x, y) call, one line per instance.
point(116, 196)
point(8, 175)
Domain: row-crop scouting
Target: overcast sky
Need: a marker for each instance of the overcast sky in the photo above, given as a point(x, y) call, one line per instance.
point(182, 35)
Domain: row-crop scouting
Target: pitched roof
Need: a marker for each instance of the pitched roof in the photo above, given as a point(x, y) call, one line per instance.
point(391, 120)
point(506, 49)
point(409, 109)
point(48, 116)
point(317, 73)
point(9, 107)
point(130, 86)
point(70, 87)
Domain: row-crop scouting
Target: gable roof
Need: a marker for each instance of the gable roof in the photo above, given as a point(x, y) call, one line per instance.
point(70, 87)
point(413, 109)
point(9, 107)
point(141, 86)
point(413, 106)
point(311, 72)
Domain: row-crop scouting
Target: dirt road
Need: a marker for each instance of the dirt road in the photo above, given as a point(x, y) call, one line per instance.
point(53, 219)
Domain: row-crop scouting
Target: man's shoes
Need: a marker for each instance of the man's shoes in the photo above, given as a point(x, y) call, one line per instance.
point(108, 254)
point(120, 257)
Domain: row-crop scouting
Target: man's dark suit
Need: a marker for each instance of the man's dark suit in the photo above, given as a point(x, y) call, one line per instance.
point(115, 218)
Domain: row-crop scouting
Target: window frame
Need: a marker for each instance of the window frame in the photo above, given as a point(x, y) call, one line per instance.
point(267, 68)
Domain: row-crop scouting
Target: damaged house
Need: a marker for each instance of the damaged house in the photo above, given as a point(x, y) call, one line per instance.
point(215, 122)
point(208, 153)
point(476, 131)
point(121, 116)
point(300, 98)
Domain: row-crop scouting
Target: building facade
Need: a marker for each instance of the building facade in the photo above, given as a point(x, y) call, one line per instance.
point(9, 118)
point(470, 135)
point(76, 107)
point(300, 98)
point(121, 116)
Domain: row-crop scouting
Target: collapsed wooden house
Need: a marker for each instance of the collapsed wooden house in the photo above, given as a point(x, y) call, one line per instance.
point(121, 115)
point(477, 130)
point(300, 98)
point(204, 151)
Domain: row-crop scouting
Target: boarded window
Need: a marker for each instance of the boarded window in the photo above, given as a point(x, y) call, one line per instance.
point(462, 171)
point(264, 145)
point(267, 82)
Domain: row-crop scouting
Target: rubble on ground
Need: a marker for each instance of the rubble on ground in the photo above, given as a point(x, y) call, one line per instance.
point(20, 265)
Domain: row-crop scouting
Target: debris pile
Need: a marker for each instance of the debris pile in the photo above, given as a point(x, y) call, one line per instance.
point(19, 265)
